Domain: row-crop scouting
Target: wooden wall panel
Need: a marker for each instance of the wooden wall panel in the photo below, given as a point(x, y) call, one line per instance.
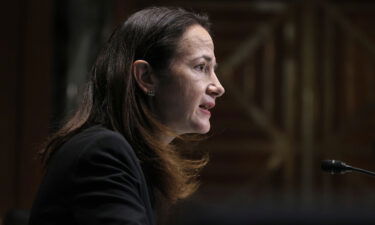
point(10, 56)
point(26, 46)
point(36, 95)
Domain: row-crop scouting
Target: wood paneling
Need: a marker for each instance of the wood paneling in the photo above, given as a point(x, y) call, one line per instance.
point(26, 44)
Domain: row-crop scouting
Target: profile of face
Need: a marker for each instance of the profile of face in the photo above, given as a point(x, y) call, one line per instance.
point(186, 94)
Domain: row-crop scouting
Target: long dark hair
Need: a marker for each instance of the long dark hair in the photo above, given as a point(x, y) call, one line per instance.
point(114, 100)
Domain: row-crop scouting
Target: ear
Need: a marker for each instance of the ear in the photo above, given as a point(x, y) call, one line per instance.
point(144, 75)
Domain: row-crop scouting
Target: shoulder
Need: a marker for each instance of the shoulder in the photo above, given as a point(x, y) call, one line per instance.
point(99, 135)
point(99, 142)
point(92, 177)
point(94, 146)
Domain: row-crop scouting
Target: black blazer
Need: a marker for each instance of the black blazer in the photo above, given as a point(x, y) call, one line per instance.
point(94, 178)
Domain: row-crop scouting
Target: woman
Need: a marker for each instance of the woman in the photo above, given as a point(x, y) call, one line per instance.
point(113, 161)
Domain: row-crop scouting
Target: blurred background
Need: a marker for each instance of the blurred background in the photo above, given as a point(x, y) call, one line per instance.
point(299, 79)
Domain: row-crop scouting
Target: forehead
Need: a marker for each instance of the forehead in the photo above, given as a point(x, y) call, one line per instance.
point(195, 41)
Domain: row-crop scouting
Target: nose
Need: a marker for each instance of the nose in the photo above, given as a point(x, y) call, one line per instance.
point(215, 89)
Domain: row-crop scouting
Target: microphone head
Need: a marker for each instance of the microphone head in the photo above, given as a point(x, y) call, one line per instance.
point(334, 167)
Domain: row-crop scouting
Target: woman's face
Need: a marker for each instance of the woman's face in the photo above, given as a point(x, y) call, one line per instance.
point(185, 96)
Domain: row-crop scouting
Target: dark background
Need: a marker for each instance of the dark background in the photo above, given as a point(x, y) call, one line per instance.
point(299, 79)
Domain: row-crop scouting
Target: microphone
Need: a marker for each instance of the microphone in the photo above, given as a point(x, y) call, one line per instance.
point(338, 167)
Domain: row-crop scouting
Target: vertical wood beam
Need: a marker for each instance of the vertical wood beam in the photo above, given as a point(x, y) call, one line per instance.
point(328, 96)
point(328, 80)
point(370, 80)
point(249, 81)
point(288, 92)
point(348, 90)
point(307, 104)
point(268, 77)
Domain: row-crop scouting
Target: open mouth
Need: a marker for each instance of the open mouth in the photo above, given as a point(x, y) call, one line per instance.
point(205, 107)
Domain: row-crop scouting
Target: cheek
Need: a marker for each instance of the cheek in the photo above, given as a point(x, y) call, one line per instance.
point(178, 102)
point(170, 103)
point(184, 101)
point(184, 91)
point(190, 95)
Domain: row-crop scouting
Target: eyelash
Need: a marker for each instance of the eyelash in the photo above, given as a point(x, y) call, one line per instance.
point(200, 67)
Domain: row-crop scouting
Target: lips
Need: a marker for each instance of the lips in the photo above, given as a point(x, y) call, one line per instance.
point(205, 107)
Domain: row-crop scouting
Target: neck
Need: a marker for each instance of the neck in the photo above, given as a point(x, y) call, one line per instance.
point(166, 139)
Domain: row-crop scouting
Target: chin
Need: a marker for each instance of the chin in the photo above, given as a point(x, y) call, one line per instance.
point(202, 128)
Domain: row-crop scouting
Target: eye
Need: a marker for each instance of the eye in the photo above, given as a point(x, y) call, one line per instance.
point(200, 67)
